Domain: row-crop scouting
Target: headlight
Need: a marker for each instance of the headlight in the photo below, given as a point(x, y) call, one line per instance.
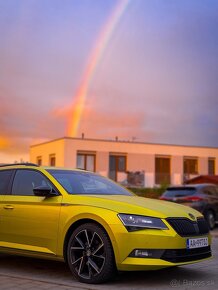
point(138, 222)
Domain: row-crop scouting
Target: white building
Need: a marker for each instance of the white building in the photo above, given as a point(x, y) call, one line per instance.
point(158, 163)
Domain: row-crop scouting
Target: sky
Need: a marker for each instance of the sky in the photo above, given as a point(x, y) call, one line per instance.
point(142, 70)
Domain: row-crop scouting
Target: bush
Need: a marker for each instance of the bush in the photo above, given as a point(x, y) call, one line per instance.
point(148, 192)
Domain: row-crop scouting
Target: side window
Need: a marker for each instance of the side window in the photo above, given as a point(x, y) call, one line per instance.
point(26, 180)
point(5, 176)
point(210, 190)
point(214, 191)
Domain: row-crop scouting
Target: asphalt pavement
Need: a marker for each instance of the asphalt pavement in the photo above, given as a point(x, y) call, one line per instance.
point(19, 273)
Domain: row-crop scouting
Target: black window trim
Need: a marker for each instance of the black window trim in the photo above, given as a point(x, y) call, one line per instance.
point(10, 183)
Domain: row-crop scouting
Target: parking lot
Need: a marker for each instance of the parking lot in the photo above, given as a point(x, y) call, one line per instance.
point(27, 273)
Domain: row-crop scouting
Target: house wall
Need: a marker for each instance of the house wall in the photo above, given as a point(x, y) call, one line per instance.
point(102, 165)
point(140, 156)
point(46, 149)
point(203, 165)
point(176, 169)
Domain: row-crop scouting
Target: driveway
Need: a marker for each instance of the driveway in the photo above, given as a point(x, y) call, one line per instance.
point(26, 273)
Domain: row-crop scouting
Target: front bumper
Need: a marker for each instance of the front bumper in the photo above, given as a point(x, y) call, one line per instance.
point(168, 247)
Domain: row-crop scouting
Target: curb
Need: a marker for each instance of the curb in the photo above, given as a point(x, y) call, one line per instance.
point(214, 233)
point(215, 236)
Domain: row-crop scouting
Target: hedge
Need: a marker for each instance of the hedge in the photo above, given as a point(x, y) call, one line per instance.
point(148, 192)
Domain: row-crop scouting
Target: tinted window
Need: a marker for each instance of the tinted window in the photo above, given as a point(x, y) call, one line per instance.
point(180, 191)
point(77, 182)
point(5, 177)
point(210, 190)
point(26, 180)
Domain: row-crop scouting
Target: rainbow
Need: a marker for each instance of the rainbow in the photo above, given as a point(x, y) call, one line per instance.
point(78, 104)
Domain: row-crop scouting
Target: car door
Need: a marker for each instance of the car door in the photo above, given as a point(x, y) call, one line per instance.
point(5, 179)
point(216, 200)
point(30, 222)
point(212, 195)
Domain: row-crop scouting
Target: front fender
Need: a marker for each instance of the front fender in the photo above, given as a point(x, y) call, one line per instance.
point(71, 214)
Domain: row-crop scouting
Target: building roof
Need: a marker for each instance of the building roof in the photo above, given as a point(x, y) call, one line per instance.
point(117, 140)
point(203, 179)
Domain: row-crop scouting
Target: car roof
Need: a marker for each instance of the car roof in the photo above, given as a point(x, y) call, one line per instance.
point(35, 166)
point(2, 166)
point(199, 185)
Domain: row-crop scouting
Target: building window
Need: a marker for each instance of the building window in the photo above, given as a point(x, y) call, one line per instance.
point(117, 164)
point(162, 170)
point(52, 160)
point(211, 166)
point(86, 161)
point(190, 166)
point(39, 160)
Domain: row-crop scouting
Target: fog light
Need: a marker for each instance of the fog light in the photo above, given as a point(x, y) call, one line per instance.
point(147, 253)
point(142, 253)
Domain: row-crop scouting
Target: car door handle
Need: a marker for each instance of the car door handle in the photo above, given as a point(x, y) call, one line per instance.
point(8, 207)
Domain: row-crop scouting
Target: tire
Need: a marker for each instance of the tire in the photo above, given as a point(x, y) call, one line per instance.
point(210, 218)
point(90, 255)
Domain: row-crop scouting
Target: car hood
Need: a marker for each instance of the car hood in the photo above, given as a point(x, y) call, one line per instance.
point(134, 205)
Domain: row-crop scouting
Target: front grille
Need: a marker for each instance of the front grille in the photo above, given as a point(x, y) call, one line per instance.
point(185, 227)
point(203, 225)
point(186, 255)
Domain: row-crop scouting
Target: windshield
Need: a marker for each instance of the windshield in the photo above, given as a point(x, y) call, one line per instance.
point(179, 191)
point(79, 182)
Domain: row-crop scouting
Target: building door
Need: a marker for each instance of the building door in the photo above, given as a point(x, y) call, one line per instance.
point(190, 167)
point(117, 164)
point(162, 170)
point(211, 166)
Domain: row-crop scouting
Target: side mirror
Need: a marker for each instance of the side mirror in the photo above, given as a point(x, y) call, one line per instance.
point(45, 191)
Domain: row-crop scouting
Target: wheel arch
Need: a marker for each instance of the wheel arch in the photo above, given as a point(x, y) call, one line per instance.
point(84, 220)
point(212, 209)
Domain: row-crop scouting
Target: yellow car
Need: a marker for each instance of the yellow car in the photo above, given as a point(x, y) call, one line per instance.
point(93, 224)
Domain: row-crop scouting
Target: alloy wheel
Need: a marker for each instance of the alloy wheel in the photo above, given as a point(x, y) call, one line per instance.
point(90, 254)
point(87, 253)
point(211, 219)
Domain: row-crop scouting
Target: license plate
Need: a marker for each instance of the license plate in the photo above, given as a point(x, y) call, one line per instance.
point(197, 243)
